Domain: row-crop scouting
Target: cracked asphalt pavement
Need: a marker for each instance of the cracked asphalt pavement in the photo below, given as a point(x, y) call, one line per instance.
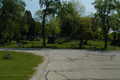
point(70, 64)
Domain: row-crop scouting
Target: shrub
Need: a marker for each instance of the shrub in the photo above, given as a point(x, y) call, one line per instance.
point(38, 39)
point(24, 41)
point(85, 42)
point(115, 42)
point(7, 57)
point(65, 40)
point(60, 42)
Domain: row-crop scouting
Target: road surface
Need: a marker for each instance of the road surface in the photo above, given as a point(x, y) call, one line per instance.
point(69, 64)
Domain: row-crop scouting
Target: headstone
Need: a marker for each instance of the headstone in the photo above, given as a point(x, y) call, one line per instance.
point(51, 40)
point(72, 45)
point(19, 45)
point(9, 54)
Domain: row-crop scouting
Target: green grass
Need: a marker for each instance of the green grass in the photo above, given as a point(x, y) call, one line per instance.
point(19, 68)
point(101, 45)
point(65, 45)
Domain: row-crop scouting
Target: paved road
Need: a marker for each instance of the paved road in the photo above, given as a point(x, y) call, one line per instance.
point(61, 64)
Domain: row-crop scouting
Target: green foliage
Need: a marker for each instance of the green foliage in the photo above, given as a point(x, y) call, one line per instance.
point(110, 36)
point(31, 23)
point(83, 29)
point(59, 42)
point(115, 43)
point(8, 57)
point(69, 15)
point(115, 26)
point(50, 8)
point(104, 9)
point(38, 39)
point(53, 25)
point(38, 16)
point(12, 21)
point(25, 42)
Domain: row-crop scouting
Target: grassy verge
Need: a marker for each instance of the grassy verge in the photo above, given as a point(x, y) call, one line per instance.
point(20, 67)
point(65, 45)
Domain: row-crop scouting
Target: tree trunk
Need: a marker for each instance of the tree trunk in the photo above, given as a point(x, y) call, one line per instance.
point(43, 29)
point(118, 35)
point(80, 43)
point(105, 41)
point(114, 35)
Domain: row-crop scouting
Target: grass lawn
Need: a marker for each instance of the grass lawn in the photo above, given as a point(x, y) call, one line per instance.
point(20, 67)
point(65, 45)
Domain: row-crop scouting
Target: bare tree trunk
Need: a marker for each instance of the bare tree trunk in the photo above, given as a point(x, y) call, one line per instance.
point(80, 43)
point(118, 35)
point(43, 29)
point(105, 40)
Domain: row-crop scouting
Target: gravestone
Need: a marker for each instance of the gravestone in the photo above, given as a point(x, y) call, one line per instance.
point(9, 54)
point(72, 45)
point(51, 40)
point(19, 45)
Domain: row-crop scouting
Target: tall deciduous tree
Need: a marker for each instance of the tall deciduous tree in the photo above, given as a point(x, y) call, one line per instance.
point(50, 7)
point(31, 23)
point(115, 20)
point(54, 25)
point(11, 11)
point(12, 7)
point(83, 30)
point(71, 11)
point(104, 8)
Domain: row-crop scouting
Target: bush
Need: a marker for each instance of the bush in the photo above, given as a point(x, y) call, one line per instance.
point(1, 42)
point(24, 42)
point(7, 57)
point(59, 42)
point(85, 42)
point(115, 42)
point(38, 39)
point(118, 44)
point(65, 40)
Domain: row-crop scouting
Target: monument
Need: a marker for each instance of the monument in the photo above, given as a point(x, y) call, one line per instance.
point(51, 40)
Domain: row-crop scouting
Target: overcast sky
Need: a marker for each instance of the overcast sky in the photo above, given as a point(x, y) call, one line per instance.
point(33, 6)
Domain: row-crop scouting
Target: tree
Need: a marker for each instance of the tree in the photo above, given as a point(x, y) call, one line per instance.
point(115, 26)
point(78, 10)
point(11, 11)
point(95, 21)
point(31, 23)
point(38, 28)
point(50, 7)
point(12, 7)
point(54, 26)
point(70, 12)
point(38, 16)
point(83, 30)
point(104, 8)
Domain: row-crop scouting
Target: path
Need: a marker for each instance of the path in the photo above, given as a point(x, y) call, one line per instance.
point(61, 64)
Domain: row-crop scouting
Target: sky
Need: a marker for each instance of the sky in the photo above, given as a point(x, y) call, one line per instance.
point(33, 6)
